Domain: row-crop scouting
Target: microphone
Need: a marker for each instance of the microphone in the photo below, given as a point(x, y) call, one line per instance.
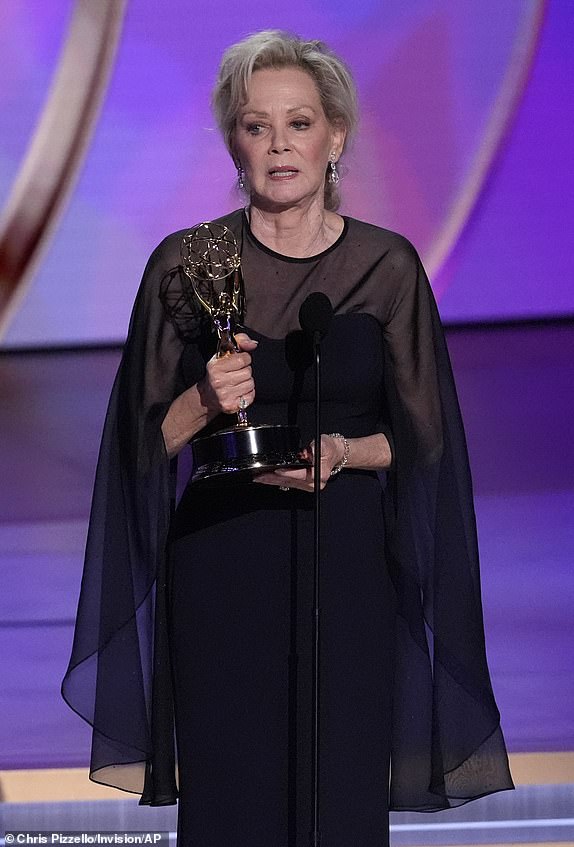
point(315, 315)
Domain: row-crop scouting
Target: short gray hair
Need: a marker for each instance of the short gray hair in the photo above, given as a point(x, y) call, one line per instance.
point(274, 48)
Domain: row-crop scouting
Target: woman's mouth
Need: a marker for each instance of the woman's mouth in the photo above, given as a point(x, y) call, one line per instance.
point(283, 172)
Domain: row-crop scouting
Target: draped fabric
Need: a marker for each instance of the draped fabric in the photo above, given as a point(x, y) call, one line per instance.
point(447, 746)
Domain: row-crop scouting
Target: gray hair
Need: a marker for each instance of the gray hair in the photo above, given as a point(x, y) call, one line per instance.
point(274, 48)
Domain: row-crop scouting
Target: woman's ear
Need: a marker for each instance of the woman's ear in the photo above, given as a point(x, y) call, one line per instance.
point(338, 135)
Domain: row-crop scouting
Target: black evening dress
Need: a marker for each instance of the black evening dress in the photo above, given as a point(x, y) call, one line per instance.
point(211, 603)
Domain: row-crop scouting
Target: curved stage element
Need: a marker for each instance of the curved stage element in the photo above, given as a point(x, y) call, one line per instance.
point(59, 144)
point(501, 119)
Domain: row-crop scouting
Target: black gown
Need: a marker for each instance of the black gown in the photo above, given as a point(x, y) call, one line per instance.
point(404, 670)
point(242, 602)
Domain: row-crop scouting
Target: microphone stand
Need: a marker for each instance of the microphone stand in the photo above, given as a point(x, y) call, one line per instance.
point(315, 316)
point(315, 762)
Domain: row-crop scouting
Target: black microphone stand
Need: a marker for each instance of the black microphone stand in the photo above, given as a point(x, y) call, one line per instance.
point(315, 762)
point(315, 317)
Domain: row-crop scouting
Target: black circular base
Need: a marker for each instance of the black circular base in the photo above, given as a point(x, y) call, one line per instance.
point(242, 452)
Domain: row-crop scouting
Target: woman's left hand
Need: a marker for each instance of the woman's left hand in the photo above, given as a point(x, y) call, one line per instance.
point(332, 451)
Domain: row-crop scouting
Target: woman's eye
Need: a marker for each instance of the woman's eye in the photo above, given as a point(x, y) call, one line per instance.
point(254, 129)
point(300, 124)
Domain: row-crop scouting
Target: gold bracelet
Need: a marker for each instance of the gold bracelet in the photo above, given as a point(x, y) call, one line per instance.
point(346, 448)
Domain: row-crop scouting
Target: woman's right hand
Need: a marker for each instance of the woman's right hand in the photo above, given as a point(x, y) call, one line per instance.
point(229, 378)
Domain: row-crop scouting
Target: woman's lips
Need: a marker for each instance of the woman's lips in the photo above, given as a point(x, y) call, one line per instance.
point(284, 172)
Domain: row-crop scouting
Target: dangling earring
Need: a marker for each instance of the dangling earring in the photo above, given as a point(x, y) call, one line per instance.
point(240, 178)
point(333, 172)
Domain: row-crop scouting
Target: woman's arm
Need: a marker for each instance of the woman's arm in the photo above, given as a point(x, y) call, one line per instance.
point(367, 453)
point(186, 416)
point(372, 452)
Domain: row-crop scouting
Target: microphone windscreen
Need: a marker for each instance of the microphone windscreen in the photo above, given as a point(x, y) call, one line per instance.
point(315, 314)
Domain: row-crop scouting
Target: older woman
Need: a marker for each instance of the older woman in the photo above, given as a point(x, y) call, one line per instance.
point(223, 622)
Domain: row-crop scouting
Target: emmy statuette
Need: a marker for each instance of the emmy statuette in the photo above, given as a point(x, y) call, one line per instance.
point(211, 260)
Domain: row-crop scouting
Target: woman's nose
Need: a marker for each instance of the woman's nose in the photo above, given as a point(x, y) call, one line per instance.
point(278, 142)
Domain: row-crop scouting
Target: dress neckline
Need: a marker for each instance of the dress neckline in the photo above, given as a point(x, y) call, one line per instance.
point(294, 259)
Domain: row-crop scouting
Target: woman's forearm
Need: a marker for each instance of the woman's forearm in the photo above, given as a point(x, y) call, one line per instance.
point(186, 416)
point(368, 453)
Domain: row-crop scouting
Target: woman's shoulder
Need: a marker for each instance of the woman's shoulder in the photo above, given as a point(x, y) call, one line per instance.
point(385, 249)
point(375, 237)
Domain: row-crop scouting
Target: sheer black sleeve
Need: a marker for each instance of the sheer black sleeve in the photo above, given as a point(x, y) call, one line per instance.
point(447, 743)
point(110, 678)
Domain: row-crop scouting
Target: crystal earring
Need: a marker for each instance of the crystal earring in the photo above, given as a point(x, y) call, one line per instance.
point(240, 178)
point(333, 172)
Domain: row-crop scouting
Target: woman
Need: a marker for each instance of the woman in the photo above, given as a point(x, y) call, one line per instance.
point(223, 621)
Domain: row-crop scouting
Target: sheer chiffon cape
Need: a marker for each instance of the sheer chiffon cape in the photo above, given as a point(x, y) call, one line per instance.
point(447, 745)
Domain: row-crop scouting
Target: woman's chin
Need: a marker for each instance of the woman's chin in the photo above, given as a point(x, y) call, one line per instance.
point(284, 198)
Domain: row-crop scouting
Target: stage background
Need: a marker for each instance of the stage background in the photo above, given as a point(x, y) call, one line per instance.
point(465, 147)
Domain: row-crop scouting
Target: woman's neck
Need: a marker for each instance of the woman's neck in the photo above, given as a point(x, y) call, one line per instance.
point(296, 232)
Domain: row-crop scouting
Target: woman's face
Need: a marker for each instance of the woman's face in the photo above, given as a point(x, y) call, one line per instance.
point(283, 140)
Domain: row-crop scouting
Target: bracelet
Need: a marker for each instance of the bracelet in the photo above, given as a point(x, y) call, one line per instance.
point(346, 448)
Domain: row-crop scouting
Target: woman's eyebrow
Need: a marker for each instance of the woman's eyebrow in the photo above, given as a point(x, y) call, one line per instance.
point(259, 114)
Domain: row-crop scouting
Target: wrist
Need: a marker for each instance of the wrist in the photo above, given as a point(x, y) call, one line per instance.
point(207, 400)
point(344, 454)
